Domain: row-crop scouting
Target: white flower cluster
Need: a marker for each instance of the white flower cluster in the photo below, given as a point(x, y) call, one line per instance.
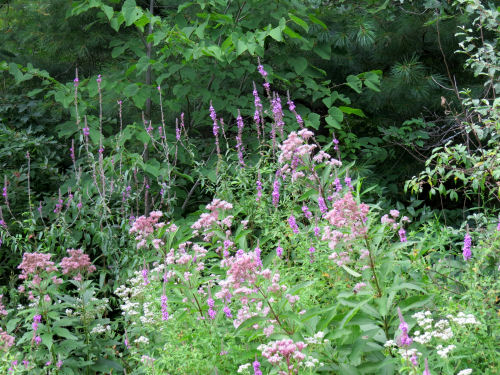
point(316, 339)
point(243, 368)
point(441, 329)
point(463, 319)
point(311, 362)
point(409, 353)
point(466, 371)
point(148, 317)
point(142, 340)
point(129, 308)
point(100, 329)
point(443, 351)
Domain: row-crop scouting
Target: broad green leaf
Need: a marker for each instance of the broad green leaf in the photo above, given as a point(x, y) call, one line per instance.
point(299, 64)
point(108, 11)
point(291, 33)
point(352, 111)
point(131, 90)
point(332, 123)
point(131, 12)
point(63, 332)
point(336, 113)
point(106, 365)
point(299, 22)
point(323, 51)
point(47, 340)
point(351, 271)
point(276, 34)
point(317, 21)
point(354, 83)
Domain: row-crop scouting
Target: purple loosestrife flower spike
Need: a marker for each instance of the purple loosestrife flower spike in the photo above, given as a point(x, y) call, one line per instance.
point(307, 213)
point(259, 190)
point(256, 368)
point(239, 139)
point(293, 224)
point(404, 339)
point(322, 205)
point(164, 311)
point(276, 192)
point(338, 185)
point(402, 235)
point(145, 275)
point(426, 371)
point(279, 251)
point(498, 225)
point(347, 181)
point(227, 311)
point(467, 245)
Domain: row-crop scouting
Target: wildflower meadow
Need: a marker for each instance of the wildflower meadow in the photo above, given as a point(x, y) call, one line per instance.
point(211, 210)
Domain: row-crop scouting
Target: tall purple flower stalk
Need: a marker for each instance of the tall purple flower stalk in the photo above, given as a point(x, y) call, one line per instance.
point(277, 113)
point(322, 205)
point(293, 224)
point(276, 192)
point(404, 339)
point(259, 190)
point(307, 213)
point(402, 235)
point(338, 185)
point(256, 368)
point(164, 311)
point(467, 247)
point(215, 129)
point(426, 371)
point(211, 312)
point(257, 117)
point(291, 107)
point(239, 141)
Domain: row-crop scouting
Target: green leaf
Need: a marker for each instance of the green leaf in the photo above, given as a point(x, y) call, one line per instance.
point(130, 12)
point(317, 21)
point(276, 34)
point(350, 271)
point(106, 365)
point(353, 312)
point(352, 111)
point(131, 90)
point(291, 33)
point(332, 123)
point(336, 113)
point(249, 322)
point(313, 120)
point(14, 70)
point(108, 11)
point(299, 64)
point(323, 51)
point(11, 324)
point(47, 340)
point(63, 332)
point(354, 83)
point(299, 22)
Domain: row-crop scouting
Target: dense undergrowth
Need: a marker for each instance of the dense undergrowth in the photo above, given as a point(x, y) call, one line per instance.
point(263, 248)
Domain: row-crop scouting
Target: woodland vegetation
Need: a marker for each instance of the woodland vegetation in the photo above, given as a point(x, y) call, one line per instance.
point(249, 187)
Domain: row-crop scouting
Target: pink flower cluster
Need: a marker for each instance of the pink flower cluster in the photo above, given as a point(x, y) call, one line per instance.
point(33, 264)
point(395, 225)
point(284, 351)
point(347, 213)
point(206, 220)
point(2, 307)
point(77, 261)
point(144, 228)
point(6, 340)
